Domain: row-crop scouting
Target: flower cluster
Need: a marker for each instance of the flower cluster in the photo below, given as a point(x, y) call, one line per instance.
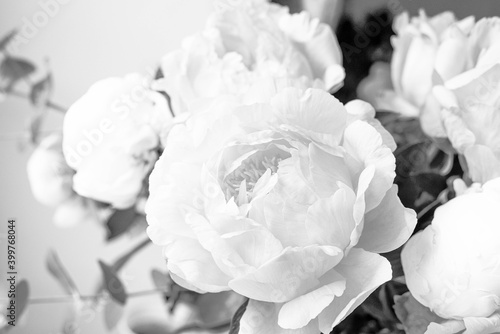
point(446, 73)
point(260, 185)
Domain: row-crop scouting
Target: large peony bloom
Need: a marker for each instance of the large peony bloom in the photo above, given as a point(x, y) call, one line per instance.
point(51, 181)
point(249, 44)
point(453, 266)
point(429, 52)
point(286, 202)
point(111, 138)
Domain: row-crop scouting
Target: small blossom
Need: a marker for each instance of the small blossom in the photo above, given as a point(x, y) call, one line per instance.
point(452, 267)
point(111, 138)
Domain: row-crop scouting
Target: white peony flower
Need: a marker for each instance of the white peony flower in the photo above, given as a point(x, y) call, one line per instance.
point(250, 46)
point(51, 181)
point(50, 177)
point(429, 52)
point(111, 138)
point(453, 266)
point(287, 203)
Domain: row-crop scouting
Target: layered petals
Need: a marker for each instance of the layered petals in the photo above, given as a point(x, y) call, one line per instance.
point(273, 199)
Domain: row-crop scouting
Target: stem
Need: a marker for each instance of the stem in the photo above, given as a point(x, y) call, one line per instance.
point(441, 199)
point(67, 299)
point(49, 104)
point(120, 262)
point(195, 327)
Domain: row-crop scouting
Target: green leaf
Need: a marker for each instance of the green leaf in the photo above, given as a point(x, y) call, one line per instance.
point(161, 280)
point(380, 304)
point(149, 327)
point(35, 126)
point(5, 41)
point(123, 259)
point(59, 272)
point(113, 284)
point(235, 321)
point(414, 316)
point(216, 308)
point(406, 131)
point(41, 91)
point(120, 221)
point(394, 257)
point(113, 312)
point(22, 297)
point(13, 69)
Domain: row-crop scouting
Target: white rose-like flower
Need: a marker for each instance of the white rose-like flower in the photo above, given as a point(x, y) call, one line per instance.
point(286, 202)
point(248, 46)
point(111, 138)
point(50, 177)
point(433, 51)
point(51, 181)
point(453, 266)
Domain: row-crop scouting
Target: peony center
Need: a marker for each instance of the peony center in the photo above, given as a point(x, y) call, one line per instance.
point(241, 182)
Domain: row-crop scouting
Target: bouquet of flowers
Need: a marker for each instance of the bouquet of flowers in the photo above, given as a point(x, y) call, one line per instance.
point(292, 189)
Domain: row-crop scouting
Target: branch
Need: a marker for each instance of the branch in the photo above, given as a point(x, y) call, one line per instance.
point(49, 104)
point(68, 299)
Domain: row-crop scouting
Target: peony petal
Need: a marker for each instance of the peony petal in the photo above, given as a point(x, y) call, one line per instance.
point(389, 100)
point(483, 36)
point(262, 318)
point(319, 45)
point(330, 221)
point(482, 325)
point(291, 274)
point(326, 170)
point(377, 81)
point(430, 118)
point(484, 121)
point(416, 79)
point(300, 311)
point(388, 226)
point(365, 145)
point(476, 86)
point(192, 264)
point(315, 111)
point(401, 44)
point(255, 246)
point(458, 133)
point(364, 272)
point(482, 163)
point(226, 258)
point(451, 48)
point(363, 111)
point(446, 327)
point(411, 259)
point(334, 78)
